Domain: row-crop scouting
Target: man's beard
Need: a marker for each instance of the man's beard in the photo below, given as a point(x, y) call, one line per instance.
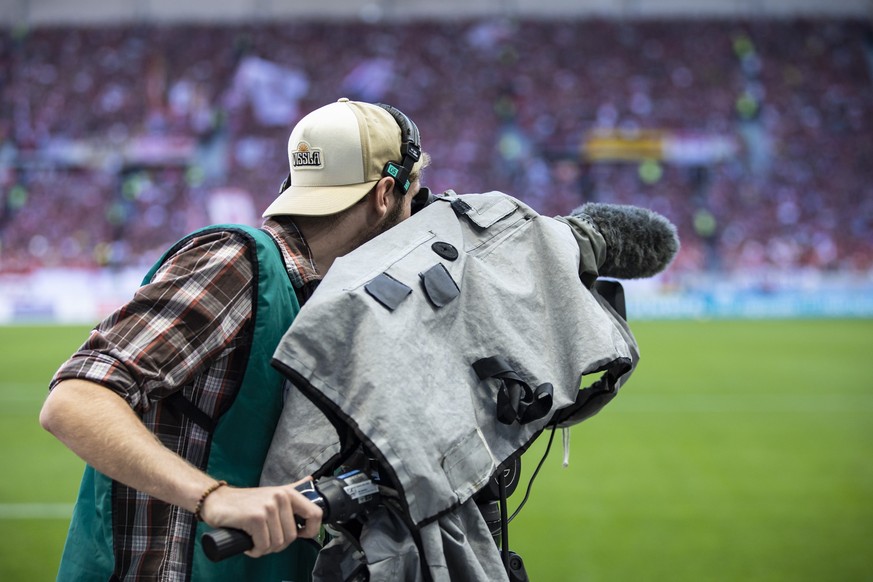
point(393, 218)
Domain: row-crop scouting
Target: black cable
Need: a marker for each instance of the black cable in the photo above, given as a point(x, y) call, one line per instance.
point(504, 523)
point(532, 477)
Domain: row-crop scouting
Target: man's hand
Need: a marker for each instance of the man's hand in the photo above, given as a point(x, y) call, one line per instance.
point(265, 513)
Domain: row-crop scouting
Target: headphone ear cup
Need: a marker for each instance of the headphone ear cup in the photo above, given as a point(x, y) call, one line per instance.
point(400, 175)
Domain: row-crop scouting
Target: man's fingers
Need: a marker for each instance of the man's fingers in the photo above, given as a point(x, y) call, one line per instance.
point(272, 535)
point(282, 516)
point(307, 512)
point(260, 533)
point(267, 514)
point(286, 530)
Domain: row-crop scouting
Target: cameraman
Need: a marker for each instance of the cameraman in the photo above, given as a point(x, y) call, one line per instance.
point(166, 399)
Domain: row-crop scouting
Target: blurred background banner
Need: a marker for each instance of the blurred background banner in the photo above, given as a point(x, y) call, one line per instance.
point(124, 125)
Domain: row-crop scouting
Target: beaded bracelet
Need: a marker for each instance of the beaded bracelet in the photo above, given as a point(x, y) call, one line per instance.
point(203, 497)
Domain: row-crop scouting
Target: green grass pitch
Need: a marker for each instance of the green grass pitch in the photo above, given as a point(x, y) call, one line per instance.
point(738, 451)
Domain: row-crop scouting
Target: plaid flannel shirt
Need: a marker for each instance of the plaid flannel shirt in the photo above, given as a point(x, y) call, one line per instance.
point(184, 331)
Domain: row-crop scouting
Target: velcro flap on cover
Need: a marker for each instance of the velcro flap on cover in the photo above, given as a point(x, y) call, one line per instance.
point(490, 212)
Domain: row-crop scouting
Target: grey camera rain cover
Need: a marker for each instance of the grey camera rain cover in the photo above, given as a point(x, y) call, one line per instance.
point(386, 347)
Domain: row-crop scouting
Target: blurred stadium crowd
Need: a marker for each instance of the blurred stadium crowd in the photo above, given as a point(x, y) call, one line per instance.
point(118, 140)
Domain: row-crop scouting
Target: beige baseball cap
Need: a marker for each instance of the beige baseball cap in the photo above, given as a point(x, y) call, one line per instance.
point(337, 154)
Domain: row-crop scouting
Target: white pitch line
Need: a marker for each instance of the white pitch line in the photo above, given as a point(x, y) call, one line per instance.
point(36, 510)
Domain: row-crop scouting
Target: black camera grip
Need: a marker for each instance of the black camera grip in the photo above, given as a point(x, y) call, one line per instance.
point(224, 542)
point(350, 493)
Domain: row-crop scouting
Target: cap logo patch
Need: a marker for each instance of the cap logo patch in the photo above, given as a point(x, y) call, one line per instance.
point(306, 156)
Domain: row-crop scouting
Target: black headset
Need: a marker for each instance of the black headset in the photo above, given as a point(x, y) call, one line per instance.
point(410, 149)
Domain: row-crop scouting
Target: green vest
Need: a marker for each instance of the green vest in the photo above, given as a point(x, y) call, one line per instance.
point(239, 444)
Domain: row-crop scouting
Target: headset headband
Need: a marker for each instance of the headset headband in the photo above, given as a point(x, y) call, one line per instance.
point(410, 149)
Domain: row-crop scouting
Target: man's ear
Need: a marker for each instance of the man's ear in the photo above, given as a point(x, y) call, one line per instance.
point(382, 198)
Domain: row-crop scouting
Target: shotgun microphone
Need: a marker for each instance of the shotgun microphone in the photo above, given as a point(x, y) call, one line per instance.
point(640, 243)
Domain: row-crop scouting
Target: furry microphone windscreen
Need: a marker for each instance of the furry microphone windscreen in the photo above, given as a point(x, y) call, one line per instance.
point(639, 242)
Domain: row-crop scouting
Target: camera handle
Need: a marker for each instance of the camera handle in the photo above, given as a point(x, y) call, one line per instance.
point(492, 504)
point(340, 498)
